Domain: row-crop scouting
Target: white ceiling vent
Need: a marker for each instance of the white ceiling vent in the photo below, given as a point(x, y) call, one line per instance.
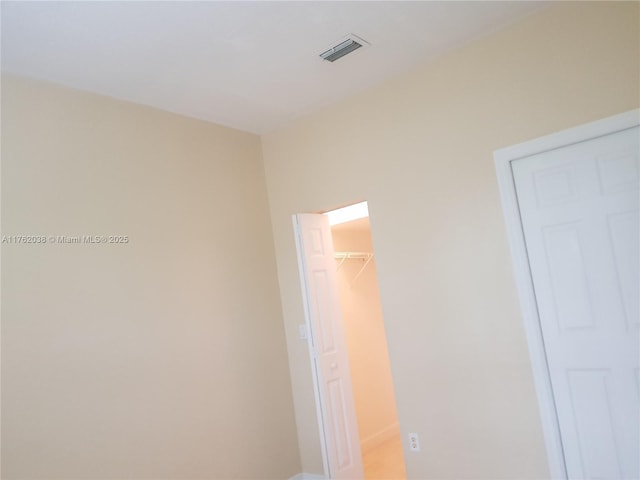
point(345, 46)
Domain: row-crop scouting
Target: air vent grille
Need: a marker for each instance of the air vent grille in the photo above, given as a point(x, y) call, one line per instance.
point(340, 50)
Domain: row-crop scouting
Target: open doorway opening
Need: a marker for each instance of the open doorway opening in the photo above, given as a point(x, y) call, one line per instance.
point(366, 343)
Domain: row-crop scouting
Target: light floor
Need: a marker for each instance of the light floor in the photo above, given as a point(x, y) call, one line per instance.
point(385, 461)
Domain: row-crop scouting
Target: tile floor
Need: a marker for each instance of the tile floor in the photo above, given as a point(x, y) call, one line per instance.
point(385, 461)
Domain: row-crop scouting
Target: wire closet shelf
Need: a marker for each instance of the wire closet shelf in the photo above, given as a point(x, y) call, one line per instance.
point(343, 256)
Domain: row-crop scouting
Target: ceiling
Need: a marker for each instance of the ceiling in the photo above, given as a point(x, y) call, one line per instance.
point(248, 65)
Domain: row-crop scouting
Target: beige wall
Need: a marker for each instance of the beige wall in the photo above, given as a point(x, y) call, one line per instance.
point(365, 337)
point(162, 358)
point(419, 149)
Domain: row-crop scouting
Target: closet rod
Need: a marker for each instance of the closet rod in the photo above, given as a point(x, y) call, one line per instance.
point(354, 255)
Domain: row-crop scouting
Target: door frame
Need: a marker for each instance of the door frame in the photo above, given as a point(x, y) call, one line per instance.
point(522, 273)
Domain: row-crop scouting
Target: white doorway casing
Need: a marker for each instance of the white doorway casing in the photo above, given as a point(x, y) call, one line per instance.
point(563, 356)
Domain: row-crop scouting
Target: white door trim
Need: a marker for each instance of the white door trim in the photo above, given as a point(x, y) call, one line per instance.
point(503, 159)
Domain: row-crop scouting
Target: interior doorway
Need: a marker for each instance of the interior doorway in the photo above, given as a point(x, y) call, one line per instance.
point(366, 342)
point(337, 284)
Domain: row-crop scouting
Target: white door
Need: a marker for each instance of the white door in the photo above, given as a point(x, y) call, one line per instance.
point(329, 353)
point(579, 210)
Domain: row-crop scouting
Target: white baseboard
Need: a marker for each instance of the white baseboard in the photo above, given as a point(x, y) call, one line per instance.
point(307, 476)
point(381, 436)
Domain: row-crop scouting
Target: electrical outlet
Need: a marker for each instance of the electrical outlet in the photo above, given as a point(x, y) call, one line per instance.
point(414, 442)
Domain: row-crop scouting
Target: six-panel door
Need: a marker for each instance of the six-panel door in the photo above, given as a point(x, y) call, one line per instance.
point(579, 210)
